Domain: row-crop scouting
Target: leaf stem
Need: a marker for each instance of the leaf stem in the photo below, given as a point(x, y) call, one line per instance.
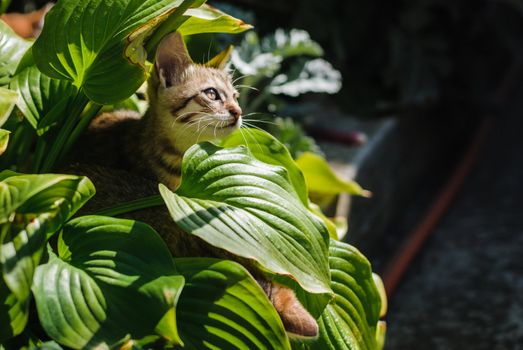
point(78, 105)
point(90, 112)
point(138, 204)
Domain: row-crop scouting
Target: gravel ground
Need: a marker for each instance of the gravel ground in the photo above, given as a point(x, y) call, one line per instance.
point(465, 291)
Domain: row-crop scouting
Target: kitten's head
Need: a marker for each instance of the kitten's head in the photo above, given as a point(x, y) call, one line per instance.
point(191, 102)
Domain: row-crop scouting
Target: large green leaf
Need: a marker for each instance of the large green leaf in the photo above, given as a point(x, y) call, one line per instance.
point(32, 207)
point(84, 40)
point(207, 19)
point(266, 148)
point(351, 322)
point(12, 48)
point(249, 208)
point(43, 100)
point(112, 277)
point(222, 307)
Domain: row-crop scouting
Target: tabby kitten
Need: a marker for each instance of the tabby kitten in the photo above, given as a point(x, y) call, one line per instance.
point(189, 103)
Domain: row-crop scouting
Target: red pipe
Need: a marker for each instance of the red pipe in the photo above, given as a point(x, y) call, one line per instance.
point(412, 245)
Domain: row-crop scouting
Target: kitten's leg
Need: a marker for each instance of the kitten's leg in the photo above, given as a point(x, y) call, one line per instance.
point(297, 321)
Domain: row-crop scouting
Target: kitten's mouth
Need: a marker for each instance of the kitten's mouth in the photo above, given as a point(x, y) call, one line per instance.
point(232, 124)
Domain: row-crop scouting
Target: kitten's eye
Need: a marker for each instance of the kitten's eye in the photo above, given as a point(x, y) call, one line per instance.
point(212, 94)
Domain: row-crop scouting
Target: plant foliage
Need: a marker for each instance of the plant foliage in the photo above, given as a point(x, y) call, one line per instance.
point(103, 282)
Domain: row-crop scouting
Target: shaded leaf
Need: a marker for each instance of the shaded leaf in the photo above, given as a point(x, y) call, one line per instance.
point(112, 277)
point(249, 208)
point(222, 307)
point(13, 313)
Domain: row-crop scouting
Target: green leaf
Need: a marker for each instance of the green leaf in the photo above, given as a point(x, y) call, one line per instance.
point(43, 100)
point(84, 40)
point(13, 313)
point(12, 48)
point(207, 19)
point(222, 307)
point(249, 208)
point(352, 320)
point(112, 277)
point(57, 195)
point(33, 206)
point(295, 42)
point(8, 100)
point(264, 58)
point(4, 139)
point(321, 178)
point(316, 76)
point(266, 148)
point(4, 4)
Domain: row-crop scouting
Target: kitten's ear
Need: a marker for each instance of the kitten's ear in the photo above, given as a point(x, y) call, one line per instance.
point(220, 60)
point(172, 58)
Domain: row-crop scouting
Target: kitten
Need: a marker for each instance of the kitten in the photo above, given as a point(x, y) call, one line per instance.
point(125, 156)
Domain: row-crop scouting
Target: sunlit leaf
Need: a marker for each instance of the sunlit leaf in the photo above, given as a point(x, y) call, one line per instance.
point(316, 76)
point(351, 321)
point(249, 208)
point(222, 307)
point(32, 207)
point(43, 100)
point(207, 19)
point(4, 139)
point(266, 148)
point(112, 277)
point(88, 40)
point(12, 48)
point(8, 100)
point(320, 177)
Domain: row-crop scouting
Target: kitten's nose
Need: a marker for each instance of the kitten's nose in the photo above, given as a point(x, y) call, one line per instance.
point(235, 111)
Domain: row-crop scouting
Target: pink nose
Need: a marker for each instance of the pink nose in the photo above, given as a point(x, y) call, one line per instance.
point(236, 112)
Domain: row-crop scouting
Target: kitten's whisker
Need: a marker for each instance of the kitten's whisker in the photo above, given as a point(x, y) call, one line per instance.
point(186, 113)
point(203, 129)
point(254, 126)
point(246, 142)
point(259, 121)
point(246, 87)
point(248, 133)
point(241, 77)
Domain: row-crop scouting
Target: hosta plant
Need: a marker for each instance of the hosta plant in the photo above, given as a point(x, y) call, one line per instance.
point(95, 281)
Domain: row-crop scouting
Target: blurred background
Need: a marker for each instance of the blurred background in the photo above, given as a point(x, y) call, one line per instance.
point(420, 102)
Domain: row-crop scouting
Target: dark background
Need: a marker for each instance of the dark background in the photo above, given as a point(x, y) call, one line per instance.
point(398, 56)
